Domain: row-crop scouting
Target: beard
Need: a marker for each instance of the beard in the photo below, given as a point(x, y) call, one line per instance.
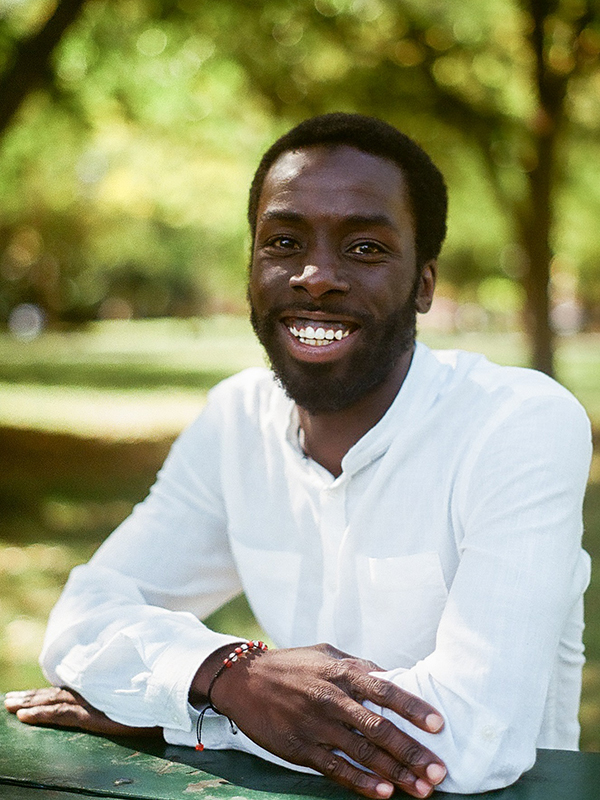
point(326, 388)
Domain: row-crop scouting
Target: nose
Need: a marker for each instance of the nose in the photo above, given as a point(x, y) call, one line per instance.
point(318, 280)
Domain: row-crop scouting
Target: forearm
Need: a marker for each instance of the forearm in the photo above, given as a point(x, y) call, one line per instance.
point(133, 661)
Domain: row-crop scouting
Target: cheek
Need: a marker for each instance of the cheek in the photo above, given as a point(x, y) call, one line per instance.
point(384, 293)
point(266, 282)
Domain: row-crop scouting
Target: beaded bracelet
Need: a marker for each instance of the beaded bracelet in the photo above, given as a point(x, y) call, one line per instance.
point(240, 651)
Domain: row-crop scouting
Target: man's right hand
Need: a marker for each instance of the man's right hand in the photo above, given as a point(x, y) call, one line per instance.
point(65, 708)
point(304, 704)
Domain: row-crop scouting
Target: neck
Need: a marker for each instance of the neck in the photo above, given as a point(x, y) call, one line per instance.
point(329, 436)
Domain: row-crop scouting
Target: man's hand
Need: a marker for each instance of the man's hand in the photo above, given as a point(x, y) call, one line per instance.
point(65, 708)
point(305, 703)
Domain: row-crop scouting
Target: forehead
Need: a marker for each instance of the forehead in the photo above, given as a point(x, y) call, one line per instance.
point(334, 180)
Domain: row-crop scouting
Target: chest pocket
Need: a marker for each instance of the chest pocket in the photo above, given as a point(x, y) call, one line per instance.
point(401, 602)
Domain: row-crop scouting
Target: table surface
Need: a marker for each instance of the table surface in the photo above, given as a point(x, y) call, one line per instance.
point(50, 764)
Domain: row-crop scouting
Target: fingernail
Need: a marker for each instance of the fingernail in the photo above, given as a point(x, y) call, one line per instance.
point(434, 722)
point(422, 787)
point(436, 773)
point(384, 789)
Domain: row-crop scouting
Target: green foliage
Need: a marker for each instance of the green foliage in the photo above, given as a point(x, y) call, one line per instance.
point(125, 174)
point(128, 172)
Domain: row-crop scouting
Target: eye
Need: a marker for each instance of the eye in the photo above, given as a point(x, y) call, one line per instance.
point(283, 243)
point(367, 248)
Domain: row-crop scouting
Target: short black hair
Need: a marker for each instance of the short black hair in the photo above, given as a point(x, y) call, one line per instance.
point(426, 186)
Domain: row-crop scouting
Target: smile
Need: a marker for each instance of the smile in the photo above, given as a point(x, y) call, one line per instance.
point(319, 334)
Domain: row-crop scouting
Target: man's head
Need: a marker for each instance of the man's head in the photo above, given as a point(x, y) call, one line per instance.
point(426, 186)
point(338, 268)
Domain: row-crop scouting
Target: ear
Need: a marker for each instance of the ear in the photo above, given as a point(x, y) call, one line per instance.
point(426, 287)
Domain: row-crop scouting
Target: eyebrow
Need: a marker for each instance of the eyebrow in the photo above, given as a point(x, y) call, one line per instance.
point(355, 220)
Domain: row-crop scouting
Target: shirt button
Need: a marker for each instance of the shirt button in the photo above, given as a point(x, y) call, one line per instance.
point(488, 733)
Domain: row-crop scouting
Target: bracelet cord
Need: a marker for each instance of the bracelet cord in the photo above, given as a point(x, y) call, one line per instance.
point(251, 646)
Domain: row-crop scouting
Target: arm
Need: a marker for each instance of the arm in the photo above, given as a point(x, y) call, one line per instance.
point(126, 635)
point(521, 574)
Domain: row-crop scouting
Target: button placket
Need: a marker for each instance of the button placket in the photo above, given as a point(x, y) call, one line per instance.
point(331, 530)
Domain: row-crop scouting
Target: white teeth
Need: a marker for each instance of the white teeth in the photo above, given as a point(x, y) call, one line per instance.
point(318, 337)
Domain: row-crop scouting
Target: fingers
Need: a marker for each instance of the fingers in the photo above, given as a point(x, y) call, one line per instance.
point(378, 786)
point(49, 696)
point(362, 686)
point(412, 768)
point(385, 745)
point(340, 770)
point(65, 708)
point(375, 742)
point(55, 706)
point(409, 706)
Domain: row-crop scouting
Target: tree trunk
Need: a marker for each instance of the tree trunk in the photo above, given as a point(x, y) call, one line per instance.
point(537, 221)
point(30, 63)
point(536, 228)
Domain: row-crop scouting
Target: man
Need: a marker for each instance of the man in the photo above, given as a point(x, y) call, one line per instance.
point(419, 511)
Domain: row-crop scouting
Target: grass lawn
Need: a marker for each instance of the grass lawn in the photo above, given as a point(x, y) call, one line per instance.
point(86, 419)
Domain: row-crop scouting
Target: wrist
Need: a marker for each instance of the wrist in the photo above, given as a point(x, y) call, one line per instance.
point(244, 652)
point(198, 694)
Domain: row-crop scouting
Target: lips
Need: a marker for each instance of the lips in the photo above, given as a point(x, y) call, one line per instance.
point(318, 333)
point(312, 333)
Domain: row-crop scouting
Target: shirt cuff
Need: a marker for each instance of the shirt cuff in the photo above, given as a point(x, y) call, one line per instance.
point(218, 735)
point(174, 671)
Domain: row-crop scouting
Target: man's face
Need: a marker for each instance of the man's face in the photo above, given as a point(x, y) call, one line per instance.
point(333, 285)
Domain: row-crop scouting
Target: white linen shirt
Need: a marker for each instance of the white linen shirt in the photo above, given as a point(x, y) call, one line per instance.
point(448, 551)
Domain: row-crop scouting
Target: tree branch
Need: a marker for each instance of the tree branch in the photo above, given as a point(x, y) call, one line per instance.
point(31, 60)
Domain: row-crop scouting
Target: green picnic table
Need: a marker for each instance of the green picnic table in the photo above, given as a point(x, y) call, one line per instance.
point(51, 764)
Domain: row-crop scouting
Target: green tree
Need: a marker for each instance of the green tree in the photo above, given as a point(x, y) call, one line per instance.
point(506, 88)
point(518, 81)
point(27, 60)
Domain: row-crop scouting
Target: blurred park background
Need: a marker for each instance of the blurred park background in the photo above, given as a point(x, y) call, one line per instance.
point(129, 131)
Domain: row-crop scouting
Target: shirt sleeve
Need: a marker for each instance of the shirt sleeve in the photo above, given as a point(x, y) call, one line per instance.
point(518, 505)
point(126, 632)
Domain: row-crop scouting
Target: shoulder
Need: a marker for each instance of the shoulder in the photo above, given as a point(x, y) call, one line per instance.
point(511, 410)
point(473, 401)
point(242, 402)
point(235, 412)
point(249, 391)
point(490, 385)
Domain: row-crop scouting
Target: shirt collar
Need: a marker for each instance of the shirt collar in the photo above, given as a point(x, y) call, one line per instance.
point(415, 395)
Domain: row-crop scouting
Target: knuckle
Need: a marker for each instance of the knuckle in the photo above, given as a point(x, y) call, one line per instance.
point(335, 767)
point(294, 746)
point(364, 751)
point(321, 694)
point(380, 691)
point(412, 706)
point(412, 753)
point(378, 729)
point(401, 775)
point(335, 670)
point(326, 649)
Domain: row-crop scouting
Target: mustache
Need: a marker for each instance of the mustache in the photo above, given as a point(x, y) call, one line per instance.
point(334, 308)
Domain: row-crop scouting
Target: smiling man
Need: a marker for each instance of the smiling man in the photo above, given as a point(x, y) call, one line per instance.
point(419, 512)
